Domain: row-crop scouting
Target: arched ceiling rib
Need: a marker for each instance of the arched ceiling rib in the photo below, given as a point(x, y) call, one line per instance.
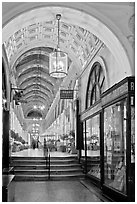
point(36, 93)
point(36, 80)
point(37, 87)
point(34, 85)
point(35, 77)
point(37, 100)
point(35, 70)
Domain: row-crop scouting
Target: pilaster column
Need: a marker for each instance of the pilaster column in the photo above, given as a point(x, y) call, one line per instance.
point(5, 138)
point(71, 116)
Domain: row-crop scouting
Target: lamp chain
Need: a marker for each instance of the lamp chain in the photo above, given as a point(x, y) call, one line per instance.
point(58, 18)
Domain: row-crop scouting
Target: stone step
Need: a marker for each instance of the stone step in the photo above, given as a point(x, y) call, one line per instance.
point(45, 171)
point(34, 169)
point(40, 162)
point(43, 158)
point(52, 166)
point(27, 158)
point(46, 177)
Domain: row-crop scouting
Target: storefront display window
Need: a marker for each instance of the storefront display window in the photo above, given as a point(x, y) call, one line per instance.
point(115, 125)
point(132, 130)
point(83, 151)
point(93, 145)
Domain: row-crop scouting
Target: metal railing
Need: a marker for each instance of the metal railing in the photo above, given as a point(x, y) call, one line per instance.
point(49, 167)
point(47, 157)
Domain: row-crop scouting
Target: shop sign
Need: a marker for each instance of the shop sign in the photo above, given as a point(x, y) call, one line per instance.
point(116, 93)
point(66, 94)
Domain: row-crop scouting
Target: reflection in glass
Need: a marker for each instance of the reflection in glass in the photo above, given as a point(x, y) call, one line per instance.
point(115, 145)
point(93, 146)
point(132, 134)
point(83, 151)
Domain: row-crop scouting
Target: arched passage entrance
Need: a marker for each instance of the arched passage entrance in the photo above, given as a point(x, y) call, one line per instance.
point(25, 29)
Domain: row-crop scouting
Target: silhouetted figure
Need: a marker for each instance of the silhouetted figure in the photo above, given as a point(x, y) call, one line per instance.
point(33, 144)
point(37, 143)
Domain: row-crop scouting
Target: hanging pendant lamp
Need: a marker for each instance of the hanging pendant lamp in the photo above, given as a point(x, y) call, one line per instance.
point(58, 60)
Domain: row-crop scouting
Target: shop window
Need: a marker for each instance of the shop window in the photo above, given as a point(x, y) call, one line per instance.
point(115, 125)
point(84, 134)
point(93, 146)
point(132, 130)
point(96, 85)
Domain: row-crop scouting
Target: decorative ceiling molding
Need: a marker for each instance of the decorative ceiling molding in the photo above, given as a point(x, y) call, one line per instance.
point(75, 39)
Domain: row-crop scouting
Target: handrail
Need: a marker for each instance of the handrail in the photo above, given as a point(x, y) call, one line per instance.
point(49, 168)
point(47, 157)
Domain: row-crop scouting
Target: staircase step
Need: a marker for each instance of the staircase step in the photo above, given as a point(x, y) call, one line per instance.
point(43, 158)
point(46, 177)
point(45, 171)
point(34, 168)
point(39, 163)
point(40, 167)
point(26, 158)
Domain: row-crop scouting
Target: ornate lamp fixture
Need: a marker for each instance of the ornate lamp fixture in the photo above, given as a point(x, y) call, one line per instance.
point(58, 60)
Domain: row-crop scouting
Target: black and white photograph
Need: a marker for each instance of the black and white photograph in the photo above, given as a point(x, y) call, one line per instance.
point(68, 101)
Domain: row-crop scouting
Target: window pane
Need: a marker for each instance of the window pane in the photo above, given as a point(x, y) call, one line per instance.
point(115, 146)
point(88, 99)
point(102, 87)
point(83, 151)
point(93, 146)
point(96, 85)
point(93, 99)
point(97, 93)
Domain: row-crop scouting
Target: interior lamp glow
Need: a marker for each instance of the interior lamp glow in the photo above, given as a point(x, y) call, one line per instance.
point(58, 60)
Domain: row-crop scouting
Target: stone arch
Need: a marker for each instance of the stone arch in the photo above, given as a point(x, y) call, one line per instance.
point(89, 18)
